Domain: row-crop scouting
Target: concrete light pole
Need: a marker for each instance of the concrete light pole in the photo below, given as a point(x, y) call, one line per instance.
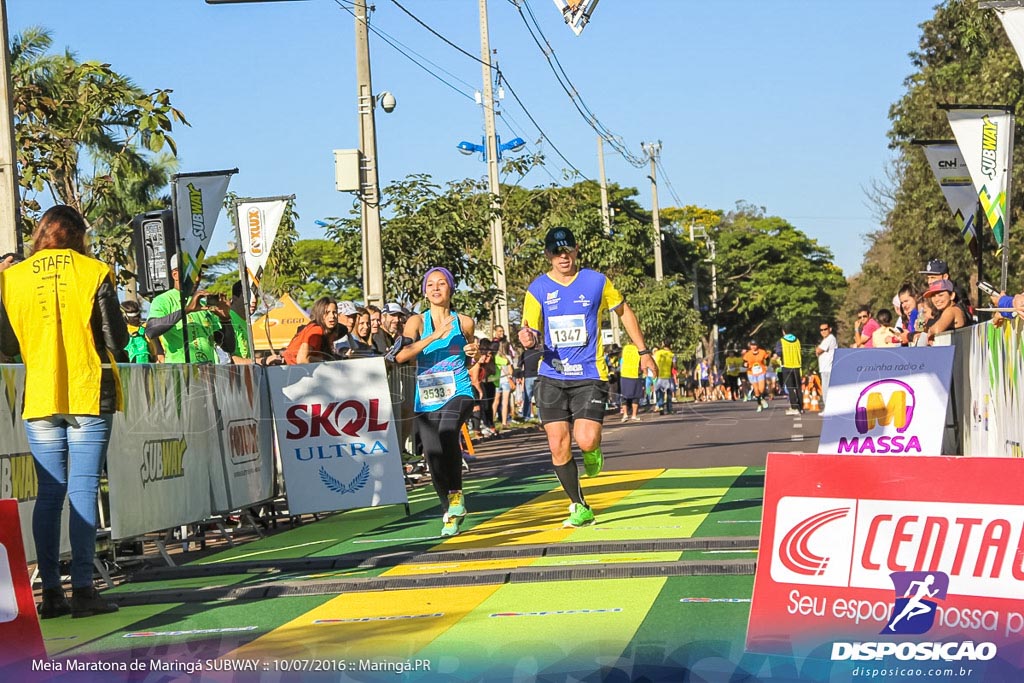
point(369, 195)
point(500, 314)
point(653, 149)
point(10, 213)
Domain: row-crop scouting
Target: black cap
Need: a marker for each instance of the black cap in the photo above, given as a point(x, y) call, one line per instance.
point(558, 239)
point(936, 266)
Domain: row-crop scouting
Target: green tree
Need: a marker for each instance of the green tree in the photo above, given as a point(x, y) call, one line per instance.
point(963, 56)
point(84, 134)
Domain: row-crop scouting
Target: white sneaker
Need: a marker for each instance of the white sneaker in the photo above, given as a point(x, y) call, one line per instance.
point(624, 418)
point(635, 418)
point(759, 407)
point(792, 411)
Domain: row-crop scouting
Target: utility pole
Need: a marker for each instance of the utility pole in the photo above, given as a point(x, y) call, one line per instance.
point(653, 149)
point(606, 222)
point(10, 214)
point(606, 217)
point(500, 314)
point(369, 195)
point(701, 231)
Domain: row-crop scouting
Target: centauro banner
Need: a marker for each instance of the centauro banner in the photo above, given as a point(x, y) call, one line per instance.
point(258, 221)
point(950, 170)
point(336, 434)
point(198, 201)
point(985, 136)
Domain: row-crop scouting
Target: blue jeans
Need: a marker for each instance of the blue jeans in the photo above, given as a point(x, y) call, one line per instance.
point(68, 451)
point(528, 383)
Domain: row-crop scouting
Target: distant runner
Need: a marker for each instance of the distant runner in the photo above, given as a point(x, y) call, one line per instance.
point(440, 343)
point(756, 360)
point(566, 306)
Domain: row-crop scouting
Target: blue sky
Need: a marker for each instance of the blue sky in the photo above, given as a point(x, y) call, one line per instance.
point(781, 103)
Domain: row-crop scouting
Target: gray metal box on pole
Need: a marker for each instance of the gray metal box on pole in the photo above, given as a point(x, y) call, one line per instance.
point(347, 177)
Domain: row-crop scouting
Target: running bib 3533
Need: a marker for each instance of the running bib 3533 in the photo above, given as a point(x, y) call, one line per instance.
point(567, 330)
point(435, 388)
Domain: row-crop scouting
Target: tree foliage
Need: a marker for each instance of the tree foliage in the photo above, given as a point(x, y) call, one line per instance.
point(85, 135)
point(963, 56)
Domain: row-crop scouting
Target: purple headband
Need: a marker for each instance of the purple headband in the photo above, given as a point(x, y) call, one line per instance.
point(447, 276)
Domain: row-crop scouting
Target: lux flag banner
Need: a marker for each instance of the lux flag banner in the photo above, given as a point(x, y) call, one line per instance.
point(197, 202)
point(258, 221)
point(950, 170)
point(985, 136)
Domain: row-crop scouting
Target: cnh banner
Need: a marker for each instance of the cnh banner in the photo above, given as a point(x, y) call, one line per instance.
point(258, 221)
point(985, 136)
point(198, 198)
point(339, 448)
point(891, 562)
point(887, 401)
point(950, 170)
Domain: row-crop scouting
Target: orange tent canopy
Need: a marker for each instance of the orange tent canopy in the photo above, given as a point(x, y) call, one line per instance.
point(274, 330)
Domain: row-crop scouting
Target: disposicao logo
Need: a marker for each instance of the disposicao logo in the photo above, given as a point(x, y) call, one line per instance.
point(914, 611)
point(795, 553)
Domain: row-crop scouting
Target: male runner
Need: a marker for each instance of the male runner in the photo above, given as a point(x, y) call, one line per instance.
point(564, 310)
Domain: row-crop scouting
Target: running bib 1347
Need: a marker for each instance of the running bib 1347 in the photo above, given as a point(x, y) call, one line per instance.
point(567, 330)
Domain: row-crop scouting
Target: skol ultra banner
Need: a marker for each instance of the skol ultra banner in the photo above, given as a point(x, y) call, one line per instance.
point(887, 401)
point(336, 435)
point(258, 221)
point(892, 564)
point(198, 201)
point(950, 170)
point(985, 136)
point(20, 638)
point(161, 449)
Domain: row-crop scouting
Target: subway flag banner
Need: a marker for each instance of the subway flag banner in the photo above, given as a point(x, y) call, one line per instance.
point(198, 198)
point(337, 436)
point(887, 401)
point(891, 562)
point(985, 136)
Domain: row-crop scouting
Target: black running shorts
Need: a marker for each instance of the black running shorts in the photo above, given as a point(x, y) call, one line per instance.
point(568, 400)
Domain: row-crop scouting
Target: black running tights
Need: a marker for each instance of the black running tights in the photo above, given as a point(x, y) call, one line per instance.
point(439, 431)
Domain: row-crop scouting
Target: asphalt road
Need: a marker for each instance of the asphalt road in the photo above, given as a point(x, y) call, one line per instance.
point(696, 435)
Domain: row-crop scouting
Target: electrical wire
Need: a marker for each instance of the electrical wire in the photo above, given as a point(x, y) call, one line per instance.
point(668, 183)
point(567, 85)
point(398, 47)
point(501, 76)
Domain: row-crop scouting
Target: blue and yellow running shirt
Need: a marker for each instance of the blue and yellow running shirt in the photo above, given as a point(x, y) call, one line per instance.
point(570, 316)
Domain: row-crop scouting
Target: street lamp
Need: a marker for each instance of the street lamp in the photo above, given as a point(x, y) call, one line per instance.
point(513, 145)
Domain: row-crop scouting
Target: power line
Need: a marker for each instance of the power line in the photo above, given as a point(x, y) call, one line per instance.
point(395, 44)
point(567, 85)
point(501, 77)
point(668, 183)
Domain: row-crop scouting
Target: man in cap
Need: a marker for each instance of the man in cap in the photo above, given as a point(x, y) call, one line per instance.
point(347, 321)
point(563, 312)
point(206, 314)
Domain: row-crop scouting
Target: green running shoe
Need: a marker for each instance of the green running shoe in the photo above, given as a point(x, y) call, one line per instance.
point(593, 461)
point(456, 504)
point(450, 526)
point(579, 515)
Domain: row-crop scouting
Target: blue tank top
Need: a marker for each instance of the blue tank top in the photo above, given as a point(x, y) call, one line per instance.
point(441, 372)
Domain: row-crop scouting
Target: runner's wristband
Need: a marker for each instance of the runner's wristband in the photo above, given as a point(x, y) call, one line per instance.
point(645, 352)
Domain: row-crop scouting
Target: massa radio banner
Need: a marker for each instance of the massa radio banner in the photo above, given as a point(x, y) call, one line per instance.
point(891, 401)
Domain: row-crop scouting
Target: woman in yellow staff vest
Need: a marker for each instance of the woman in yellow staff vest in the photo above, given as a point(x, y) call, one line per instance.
point(59, 309)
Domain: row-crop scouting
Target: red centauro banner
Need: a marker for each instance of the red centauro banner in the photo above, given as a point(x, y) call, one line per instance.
point(20, 639)
point(892, 561)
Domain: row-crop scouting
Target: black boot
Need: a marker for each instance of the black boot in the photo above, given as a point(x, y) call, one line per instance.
point(54, 604)
point(86, 602)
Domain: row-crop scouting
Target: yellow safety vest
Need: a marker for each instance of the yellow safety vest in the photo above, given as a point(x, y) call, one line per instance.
point(49, 300)
point(791, 357)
